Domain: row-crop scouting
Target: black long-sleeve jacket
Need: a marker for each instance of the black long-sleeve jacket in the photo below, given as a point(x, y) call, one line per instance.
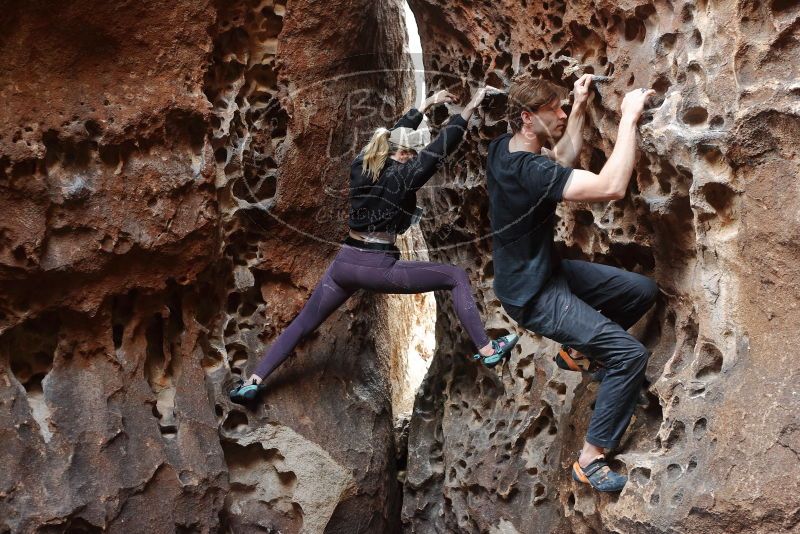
point(388, 204)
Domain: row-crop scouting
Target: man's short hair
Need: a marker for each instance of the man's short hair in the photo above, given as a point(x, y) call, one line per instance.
point(529, 93)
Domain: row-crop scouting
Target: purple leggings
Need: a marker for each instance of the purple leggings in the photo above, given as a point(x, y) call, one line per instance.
point(355, 268)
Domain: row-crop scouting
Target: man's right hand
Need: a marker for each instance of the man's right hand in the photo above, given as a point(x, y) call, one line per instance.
point(633, 103)
point(612, 182)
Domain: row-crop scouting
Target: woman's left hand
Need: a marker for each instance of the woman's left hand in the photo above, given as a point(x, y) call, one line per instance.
point(477, 98)
point(480, 94)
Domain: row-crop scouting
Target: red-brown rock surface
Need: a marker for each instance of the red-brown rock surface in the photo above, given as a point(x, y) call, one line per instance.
point(172, 185)
point(711, 215)
point(163, 172)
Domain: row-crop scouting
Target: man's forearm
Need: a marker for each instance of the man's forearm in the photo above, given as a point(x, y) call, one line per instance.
point(619, 167)
point(568, 148)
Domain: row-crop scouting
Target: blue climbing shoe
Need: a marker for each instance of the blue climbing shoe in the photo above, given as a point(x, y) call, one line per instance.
point(599, 476)
point(244, 394)
point(502, 349)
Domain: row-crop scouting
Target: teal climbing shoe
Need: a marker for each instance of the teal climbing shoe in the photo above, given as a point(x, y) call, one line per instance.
point(244, 394)
point(502, 349)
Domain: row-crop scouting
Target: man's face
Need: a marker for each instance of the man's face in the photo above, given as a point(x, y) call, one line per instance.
point(548, 122)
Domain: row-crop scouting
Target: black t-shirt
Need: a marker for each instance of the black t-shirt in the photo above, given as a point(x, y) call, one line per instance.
point(524, 189)
point(388, 204)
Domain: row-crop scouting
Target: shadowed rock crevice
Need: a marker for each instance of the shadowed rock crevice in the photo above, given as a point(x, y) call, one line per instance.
point(29, 350)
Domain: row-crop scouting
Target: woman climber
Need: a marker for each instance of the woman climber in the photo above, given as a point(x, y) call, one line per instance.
point(384, 180)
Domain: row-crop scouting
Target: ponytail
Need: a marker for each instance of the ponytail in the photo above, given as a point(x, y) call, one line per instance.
point(375, 153)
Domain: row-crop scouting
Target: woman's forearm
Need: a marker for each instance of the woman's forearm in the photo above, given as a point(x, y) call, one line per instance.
point(415, 174)
point(467, 112)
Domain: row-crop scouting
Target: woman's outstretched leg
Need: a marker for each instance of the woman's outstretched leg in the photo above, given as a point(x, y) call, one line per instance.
point(423, 276)
point(326, 297)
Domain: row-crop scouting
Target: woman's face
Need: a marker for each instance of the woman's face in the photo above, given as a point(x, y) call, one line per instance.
point(403, 155)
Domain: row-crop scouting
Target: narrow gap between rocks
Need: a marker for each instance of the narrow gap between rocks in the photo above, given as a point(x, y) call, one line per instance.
point(418, 324)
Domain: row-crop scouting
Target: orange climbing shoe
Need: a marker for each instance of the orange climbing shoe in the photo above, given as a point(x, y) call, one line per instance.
point(599, 476)
point(571, 360)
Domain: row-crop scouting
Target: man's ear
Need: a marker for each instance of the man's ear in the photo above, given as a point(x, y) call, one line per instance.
point(527, 117)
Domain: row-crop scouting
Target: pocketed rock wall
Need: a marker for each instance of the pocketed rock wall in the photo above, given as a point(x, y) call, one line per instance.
point(163, 172)
point(711, 214)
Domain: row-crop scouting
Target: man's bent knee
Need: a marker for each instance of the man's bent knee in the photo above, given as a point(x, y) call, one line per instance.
point(632, 358)
point(640, 357)
point(648, 290)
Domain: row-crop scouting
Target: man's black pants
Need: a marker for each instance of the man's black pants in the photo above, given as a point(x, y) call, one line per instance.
point(589, 307)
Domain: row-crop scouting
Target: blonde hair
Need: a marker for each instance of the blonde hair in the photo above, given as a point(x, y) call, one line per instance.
point(375, 153)
point(529, 93)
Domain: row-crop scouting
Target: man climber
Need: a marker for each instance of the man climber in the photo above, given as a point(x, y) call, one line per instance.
point(585, 306)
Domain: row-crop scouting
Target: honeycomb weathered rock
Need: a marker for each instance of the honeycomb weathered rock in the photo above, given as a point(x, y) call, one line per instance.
point(172, 184)
point(711, 215)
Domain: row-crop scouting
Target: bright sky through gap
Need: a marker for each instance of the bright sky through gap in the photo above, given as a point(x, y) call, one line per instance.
point(415, 49)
